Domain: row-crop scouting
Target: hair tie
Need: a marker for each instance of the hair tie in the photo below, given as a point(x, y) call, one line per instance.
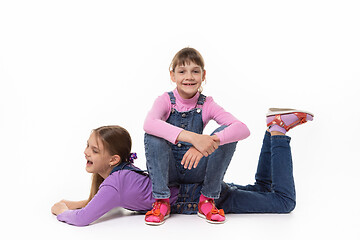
point(132, 157)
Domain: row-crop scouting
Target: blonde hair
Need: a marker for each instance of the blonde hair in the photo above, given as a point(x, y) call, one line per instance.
point(116, 141)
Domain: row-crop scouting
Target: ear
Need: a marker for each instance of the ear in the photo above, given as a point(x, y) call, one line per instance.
point(172, 76)
point(115, 160)
point(204, 75)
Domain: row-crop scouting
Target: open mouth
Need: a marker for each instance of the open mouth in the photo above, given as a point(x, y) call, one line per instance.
point(89, 162)
point(189, 84)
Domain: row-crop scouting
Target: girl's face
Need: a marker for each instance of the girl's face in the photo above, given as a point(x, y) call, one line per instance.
point(188, 79)
point(98, 159)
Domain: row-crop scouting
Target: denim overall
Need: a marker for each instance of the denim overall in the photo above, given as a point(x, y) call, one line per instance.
point(128, 166)
point(163, 160)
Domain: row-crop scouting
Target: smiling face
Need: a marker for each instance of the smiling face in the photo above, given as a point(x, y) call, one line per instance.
point(98, 159)
point(188, 79)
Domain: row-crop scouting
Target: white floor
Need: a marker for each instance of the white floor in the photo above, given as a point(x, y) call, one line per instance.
point(301, 224)
point(67, 67)
point(327, 201)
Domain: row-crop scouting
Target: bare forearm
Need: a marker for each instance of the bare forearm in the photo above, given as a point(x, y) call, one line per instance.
point(205, 144)
point(72, 205)
point(186, 136)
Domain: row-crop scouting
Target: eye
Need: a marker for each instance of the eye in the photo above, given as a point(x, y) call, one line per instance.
point(95, 150)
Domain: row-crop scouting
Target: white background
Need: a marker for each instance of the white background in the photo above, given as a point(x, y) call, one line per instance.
point(67, 67)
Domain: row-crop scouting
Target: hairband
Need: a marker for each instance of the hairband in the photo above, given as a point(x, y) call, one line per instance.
point(132, 157)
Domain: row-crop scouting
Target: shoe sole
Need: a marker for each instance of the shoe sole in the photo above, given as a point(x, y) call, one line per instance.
point(157, 223)
point(277, 111)
point(209, 221)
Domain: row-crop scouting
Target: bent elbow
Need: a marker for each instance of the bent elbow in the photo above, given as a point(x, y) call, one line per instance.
point(76, 222)
point(147, 126)
point(245, 131)
point(289, 206)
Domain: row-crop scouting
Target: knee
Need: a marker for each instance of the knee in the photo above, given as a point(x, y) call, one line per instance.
point(228, 149)
point(156, 148)
point(219, 129)
point(153, 140)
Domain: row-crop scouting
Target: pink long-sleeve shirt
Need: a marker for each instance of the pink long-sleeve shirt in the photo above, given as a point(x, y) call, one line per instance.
point(155, 122)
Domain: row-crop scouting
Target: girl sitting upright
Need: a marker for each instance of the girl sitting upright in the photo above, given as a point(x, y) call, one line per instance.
point(176, 149)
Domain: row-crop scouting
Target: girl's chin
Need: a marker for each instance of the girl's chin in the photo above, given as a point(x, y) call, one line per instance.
point(88, 169)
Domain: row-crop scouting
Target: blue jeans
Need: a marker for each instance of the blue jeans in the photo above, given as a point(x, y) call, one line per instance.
point(163, 161)
point(273, 191)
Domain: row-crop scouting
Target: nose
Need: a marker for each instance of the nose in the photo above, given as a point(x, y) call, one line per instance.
point(85, 152)
point(189, 75)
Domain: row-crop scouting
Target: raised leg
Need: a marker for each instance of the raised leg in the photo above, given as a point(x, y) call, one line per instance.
point(281, 198)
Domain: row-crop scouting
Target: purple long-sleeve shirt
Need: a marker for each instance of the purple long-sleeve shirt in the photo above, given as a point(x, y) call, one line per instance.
point(123, 188)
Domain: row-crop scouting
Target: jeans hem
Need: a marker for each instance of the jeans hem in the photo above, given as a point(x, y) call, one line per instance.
point(281, 137)
point(161, 196)
point(211, 196)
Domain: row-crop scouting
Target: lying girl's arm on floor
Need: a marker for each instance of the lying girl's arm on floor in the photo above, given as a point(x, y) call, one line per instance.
point(105, 200)
point(72, 205)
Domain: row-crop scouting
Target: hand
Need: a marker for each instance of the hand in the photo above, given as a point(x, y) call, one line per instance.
point(206, 144)
point(191, 158)
point(59, 208)
point(216, 139)
point(75, 204)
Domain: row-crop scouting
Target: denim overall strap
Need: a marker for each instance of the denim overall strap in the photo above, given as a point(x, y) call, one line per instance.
point(201, 100)
point(173, 101)
point(172, 98)
point(190, 120)
point(128, 166)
